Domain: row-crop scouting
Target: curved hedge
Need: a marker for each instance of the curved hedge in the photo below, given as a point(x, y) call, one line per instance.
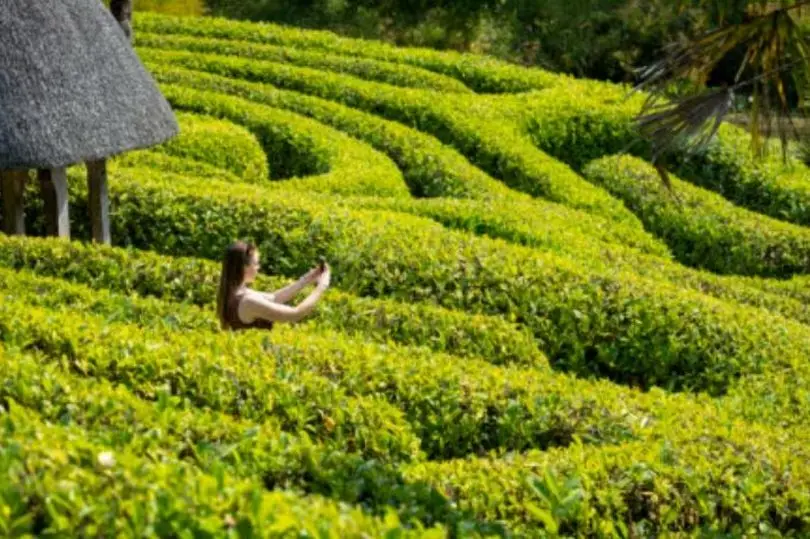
point(167, 429)
point(465, 335)
point(430, 167)
point(209, 370)
point(725, 166)
point(702, 228)
point(59, 482)
point(368, 69)
point(455, 407)
point(305, 153)
point(219, 143)
point(475, 127)
point(591, 321)
point(435, 170)
point(581, 122)
point(176, 165)
point(728, 478)
point(482, 74)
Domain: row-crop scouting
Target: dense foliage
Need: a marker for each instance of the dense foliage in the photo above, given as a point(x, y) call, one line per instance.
point(526, 334)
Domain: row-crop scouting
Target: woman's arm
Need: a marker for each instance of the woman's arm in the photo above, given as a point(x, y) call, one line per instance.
point(284, 295)
point(255, 306)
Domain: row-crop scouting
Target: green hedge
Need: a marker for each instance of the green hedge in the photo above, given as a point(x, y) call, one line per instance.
point(432, 170)
point(66, 297)
point(169, 429)
point(481, 73)
point(592, 321)
point(455, 407)
point(726, 166)
point(726, 479)
point(478, 128)
point(702, 228)
point(369, 69)
point(305, 153)
point(176, 165)
point(57, 482)
point(577, 123)
point(580, 240)
point(430, 167)
point(219, 143)
point(194, 282)
point(209, 370)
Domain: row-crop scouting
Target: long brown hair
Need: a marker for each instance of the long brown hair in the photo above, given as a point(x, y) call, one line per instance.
point(237, 256)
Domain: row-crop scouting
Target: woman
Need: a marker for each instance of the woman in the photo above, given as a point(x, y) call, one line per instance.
point(240, 307)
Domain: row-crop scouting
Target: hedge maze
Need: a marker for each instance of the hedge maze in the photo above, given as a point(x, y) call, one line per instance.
point(526, 334)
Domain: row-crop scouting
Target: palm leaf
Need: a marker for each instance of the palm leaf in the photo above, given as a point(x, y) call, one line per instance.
point(775, 50)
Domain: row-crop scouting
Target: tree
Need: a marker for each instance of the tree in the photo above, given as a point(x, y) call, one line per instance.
point(774, 63)
point(122, 11)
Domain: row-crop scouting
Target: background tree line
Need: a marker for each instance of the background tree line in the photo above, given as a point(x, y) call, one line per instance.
point(602, 39)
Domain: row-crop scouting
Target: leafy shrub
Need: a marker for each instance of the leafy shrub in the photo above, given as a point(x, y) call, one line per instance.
point(209, 370)
point(726, 477)
point(592, 321)
point(479, 130)
point(369, 69)
point(701, 227)
point(218, 143)
point(294, 144)
point(57, 481)
point(184, 285)
point(176, 165)
point(482, 74)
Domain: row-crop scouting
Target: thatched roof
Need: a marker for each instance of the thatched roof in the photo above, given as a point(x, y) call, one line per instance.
point(71, 87)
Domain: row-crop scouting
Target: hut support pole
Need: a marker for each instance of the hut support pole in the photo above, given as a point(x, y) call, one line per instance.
point(12, 183)
point(99, 202)
point(54, 189)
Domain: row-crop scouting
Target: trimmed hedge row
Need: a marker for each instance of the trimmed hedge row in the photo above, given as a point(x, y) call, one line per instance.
point(188, 280)
point(481, 73)
point(586, 120)
point(772, 188)
point(210, 370)
point(368, 69)
point(430, 168)
point(127, 308)
point(168, 429)
point(539, 230)
point(455, 407)
point(702, 228)
point(176, 165)
point(533, 223)
point(57, 482)
point(476, 127)
point(594, 322)
point(305, 153)
point(722, 477)
point(222, 144)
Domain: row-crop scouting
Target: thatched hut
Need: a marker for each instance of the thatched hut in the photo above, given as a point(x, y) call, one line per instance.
point(72, 90)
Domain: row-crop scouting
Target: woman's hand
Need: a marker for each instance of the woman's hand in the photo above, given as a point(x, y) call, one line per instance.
point(324, 277)
point(312, 275)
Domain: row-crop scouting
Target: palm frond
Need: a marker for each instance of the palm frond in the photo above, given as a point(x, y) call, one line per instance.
point(775, 51)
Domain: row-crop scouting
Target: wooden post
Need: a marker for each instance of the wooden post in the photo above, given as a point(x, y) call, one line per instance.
point(98, 200)
point(54, 190)
point(12, 183)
